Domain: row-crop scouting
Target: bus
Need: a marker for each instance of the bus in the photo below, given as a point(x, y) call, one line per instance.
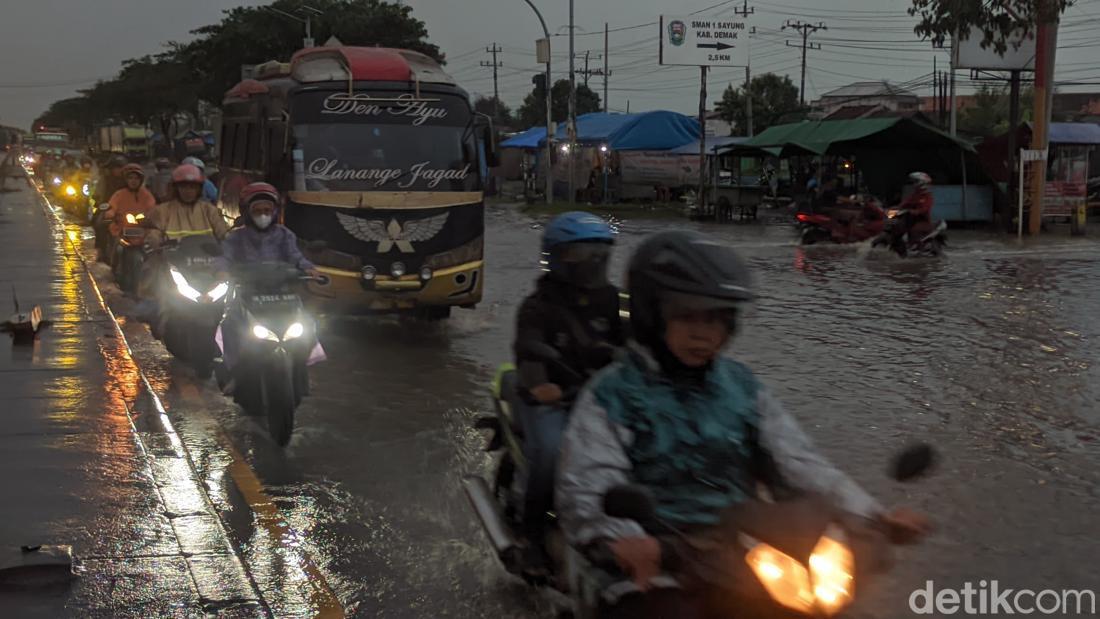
point(379, 155)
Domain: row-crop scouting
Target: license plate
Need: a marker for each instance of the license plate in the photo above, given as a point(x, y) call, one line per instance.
point(274, 298)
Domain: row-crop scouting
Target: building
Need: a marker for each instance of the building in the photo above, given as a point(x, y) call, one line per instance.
point(869, 96)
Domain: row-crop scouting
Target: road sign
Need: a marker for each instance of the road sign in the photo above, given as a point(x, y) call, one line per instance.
point(704, 41)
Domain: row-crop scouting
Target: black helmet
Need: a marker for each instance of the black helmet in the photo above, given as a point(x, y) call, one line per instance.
point(117, 161)
point(687, 268)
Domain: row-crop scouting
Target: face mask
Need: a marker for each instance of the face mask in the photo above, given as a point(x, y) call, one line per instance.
point(262, 221)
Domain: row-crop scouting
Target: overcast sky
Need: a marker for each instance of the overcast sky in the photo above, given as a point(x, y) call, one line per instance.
point(52, 47)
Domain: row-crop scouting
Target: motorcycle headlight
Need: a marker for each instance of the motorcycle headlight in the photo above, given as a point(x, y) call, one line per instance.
point(70, 190)
point(263, 333)
point(183, 287)
point(56, 180)
point(826, 587)
point(831, 568)
point(219, 291)
point(784, 578)
point(294, 331)
point(86, 191)
point(130, 219)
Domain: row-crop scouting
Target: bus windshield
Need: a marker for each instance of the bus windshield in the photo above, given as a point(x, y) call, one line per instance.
point(357, 146)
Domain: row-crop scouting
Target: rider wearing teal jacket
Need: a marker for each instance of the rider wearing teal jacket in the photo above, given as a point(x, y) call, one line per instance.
point(697, 429)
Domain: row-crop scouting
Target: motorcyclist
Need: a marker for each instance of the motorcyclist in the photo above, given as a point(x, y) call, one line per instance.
point(111, 181)
point(917, 206)
point(187, 213)
point(134, 199)
point(575, 310)
point(209, 190)
point(161, 182)
point(695, 427)
point(260, 239)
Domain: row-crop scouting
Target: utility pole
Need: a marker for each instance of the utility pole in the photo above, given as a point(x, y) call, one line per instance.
point(572, 129)
point(590, 72)
point(745, 12)
point(494, 50)
point(1046, 46)
point(606, 70)
point(806, 30)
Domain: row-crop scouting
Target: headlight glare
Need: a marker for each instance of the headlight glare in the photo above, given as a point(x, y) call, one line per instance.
point(85, 190)
point(786, 580)
point(263, 333)
point(70, 190)
point(397, 269)
point(219, 291)
point(831, 568)
point(294, 331)
point(183, 287)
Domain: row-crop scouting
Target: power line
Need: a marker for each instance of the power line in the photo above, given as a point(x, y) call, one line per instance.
point(806, 30)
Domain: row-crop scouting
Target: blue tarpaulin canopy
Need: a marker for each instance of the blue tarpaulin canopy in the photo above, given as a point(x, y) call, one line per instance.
point(1074, 133)
point(646, 131)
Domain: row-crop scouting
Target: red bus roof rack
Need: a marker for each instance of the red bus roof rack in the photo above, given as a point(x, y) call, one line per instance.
point(324, 64)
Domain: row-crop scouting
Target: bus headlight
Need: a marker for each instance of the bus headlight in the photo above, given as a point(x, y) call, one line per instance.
point(369, 273)
point(397, 269)
point(426, 273)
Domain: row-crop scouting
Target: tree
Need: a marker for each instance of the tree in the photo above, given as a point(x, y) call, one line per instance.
point(252, 35)
point(988, 116)
point(774, 101)
point(500, 113)
point(533, 110)
point(998, 21)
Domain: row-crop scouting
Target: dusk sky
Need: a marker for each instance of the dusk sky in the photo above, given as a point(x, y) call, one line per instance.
point(54, 47)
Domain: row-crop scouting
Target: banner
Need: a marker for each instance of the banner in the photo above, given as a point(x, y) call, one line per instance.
point(657, 167)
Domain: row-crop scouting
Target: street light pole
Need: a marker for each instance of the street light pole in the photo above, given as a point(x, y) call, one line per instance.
point(307, 21)
point(549, 110)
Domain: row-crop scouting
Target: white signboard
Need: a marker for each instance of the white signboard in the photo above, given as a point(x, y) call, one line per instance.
point(700, 41)
point(1019, 55)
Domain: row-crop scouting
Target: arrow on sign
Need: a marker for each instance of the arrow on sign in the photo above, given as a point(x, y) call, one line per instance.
point(717, 46)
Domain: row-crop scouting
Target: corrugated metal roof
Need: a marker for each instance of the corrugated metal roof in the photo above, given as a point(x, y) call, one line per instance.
point(869, 89)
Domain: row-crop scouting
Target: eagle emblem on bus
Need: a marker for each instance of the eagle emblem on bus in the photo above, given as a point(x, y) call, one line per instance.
point(389, 235)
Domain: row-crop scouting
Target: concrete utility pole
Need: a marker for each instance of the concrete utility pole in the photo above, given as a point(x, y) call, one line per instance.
point(745, 12)
point(606, 70)
point(572, 129)
point(1046, 46)
point(494, 50)
point(549, 110)
point(806, 30)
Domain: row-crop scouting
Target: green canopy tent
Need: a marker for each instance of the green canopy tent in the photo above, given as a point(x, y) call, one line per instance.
point(884, 150)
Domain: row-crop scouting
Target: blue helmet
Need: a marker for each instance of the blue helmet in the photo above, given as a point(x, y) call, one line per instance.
point(576, 247)
point(574, 227)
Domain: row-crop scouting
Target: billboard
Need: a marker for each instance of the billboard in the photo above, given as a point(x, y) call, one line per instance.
point(699, 41)
point(1019, 55)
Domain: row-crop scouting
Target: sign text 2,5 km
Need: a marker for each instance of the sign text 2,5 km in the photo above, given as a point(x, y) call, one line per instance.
point(704, 41)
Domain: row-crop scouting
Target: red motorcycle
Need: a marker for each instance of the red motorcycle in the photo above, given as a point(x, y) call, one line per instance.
point(844, 225)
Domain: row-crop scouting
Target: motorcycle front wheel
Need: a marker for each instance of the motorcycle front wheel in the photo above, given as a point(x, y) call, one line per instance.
point(277, 389)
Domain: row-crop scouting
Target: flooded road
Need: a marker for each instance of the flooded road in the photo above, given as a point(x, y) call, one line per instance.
point(991, 354)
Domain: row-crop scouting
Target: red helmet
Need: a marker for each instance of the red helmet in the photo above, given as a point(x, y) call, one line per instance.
point(258, 191)
point(133, 168)
point(187, 173)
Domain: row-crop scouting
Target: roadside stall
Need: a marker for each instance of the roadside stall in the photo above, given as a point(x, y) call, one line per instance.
point(877, 154)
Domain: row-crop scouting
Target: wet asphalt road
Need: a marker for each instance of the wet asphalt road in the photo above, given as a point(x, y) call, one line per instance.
point(990, 353)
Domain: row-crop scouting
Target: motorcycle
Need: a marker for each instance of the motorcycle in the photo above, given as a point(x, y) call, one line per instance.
point(74, 196)
point(129, 253)
point(788, 555)
point(915, 242)
point(276, 342)
point(190, 308)
point(500, 508)
point(867, 224)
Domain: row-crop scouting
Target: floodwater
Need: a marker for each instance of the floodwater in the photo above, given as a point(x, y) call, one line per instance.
point(990, 353)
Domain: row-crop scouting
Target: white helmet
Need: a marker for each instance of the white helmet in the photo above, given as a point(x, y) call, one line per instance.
point(195, 161)
point(920, 179)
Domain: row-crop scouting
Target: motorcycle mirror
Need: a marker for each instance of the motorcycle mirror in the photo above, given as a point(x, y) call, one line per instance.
point(632, 502)
point(914, 461)
point(212, 249)
point(538, 350)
